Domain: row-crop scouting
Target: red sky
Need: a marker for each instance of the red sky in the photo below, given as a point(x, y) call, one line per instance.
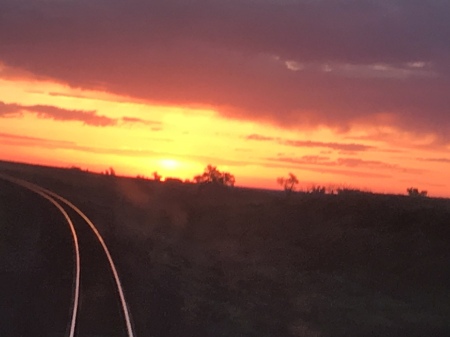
point(350, 93)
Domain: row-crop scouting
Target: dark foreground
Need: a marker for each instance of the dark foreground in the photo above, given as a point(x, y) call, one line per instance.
point(252, 263)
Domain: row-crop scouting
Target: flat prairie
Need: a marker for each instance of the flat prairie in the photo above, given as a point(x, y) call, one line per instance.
point(217, 261)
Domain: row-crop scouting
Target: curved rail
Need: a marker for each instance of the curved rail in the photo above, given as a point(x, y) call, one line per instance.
point(76, 294)
point(123, 302)
point(50, 195)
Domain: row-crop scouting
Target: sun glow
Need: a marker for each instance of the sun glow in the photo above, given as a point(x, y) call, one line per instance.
point(175, 141)
point(169, 164)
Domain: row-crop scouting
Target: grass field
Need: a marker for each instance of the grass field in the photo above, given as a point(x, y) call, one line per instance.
point(241, 262)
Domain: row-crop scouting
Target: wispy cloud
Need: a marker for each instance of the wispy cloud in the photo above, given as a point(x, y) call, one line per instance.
point(357, 162)
point(60, 114)
point(81, 96)
point(61, 94)
point(58, 144)
point(348, 162)
point(349, 147)
point(326, 161)
point(292, 165)
point(12, 139)
point(259, 137)
point(55, 113)
point(134, 120)
point(17, 140)
point(322, 164)
point(436, 160)
point(334, 146)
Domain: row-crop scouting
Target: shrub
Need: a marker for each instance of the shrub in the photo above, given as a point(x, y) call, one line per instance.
point(414, 192)
point(317, 190)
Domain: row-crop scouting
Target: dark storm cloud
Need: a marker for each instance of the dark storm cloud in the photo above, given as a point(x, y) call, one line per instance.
point(294, 63)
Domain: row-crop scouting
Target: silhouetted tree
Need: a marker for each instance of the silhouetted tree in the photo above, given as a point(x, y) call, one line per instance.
point(227, 179)
point(288, 183)
point(214, 176)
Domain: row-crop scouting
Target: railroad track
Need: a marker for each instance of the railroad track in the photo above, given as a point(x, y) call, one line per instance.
point(83, 227)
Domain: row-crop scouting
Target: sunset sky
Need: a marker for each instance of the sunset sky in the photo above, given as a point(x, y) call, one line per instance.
point(343, 92)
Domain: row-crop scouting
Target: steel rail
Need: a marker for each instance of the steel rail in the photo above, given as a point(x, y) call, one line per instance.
point(124, 304)
point(76, 292)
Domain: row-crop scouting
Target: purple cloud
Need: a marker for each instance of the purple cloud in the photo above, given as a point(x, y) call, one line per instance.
point(294, 63)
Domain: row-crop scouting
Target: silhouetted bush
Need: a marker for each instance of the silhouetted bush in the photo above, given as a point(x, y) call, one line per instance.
point(109, 172)
point(171, 180)
point(317, 190)
point(75, 168)
point(156, 176)
point(414, 192)
point(347, 191)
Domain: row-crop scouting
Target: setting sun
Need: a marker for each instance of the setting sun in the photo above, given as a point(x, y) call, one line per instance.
point(169, 164)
